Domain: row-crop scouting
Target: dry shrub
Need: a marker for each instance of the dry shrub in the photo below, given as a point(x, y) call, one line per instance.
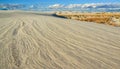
point(102, 18)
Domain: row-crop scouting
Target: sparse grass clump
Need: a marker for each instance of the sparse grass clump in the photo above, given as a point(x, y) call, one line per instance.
point(101, 18)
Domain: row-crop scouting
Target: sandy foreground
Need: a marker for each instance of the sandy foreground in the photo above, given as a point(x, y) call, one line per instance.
point(36, 41)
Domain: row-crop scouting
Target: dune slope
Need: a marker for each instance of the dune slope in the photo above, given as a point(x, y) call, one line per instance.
point(32, 41)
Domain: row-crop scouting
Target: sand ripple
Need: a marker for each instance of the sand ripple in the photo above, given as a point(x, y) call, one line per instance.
point(31, 41)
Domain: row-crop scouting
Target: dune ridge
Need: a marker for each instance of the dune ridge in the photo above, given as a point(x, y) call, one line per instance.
point(33, 41)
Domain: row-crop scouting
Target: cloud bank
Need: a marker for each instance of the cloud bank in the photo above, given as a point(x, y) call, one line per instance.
point(102, 7)
point(91, 5)
point(56, 6)
point(11, 6)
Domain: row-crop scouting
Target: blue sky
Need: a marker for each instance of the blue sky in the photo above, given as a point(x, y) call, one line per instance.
point(58, 1)
point(61, 4)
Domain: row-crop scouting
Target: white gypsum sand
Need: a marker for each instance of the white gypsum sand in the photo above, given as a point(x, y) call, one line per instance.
point(33, 41)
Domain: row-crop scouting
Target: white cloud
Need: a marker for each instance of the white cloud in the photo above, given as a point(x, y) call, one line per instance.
point(31, 6)
point(56, 6)
point(73, 5)
point(91, 5)
point(12, 6)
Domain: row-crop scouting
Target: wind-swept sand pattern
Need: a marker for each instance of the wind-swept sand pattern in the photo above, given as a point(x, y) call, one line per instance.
point(32, 41)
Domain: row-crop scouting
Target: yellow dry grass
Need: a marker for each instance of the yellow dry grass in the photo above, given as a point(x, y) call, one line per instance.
point(104, 18)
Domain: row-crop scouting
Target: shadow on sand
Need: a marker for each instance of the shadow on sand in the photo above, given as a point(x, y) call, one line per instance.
point(58, 16)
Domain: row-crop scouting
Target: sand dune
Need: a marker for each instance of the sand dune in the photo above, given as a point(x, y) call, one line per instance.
point(33, 41)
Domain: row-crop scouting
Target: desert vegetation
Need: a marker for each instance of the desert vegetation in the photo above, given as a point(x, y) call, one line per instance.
point(102, 18)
